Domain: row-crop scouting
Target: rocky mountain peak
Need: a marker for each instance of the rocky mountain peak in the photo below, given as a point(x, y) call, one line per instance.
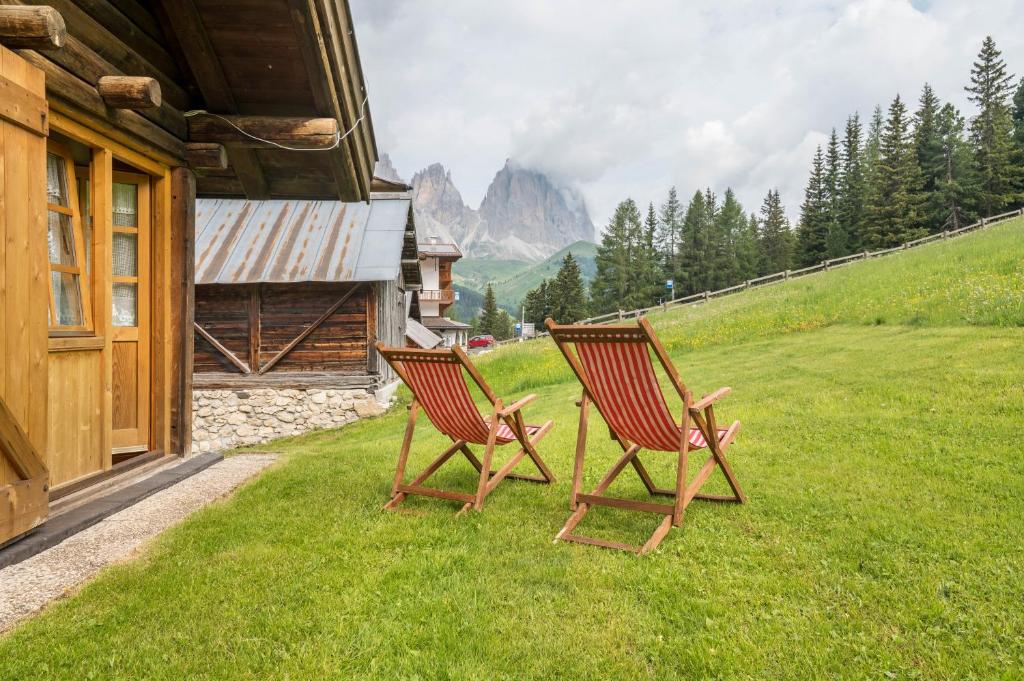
point(523, 215)
point(385, 169)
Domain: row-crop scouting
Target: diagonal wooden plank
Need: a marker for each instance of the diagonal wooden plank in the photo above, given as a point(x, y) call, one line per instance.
point(308, 330)
point(231, 357)
point(16, 448)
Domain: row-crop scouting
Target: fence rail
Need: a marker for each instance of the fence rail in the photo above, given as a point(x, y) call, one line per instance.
point(768, 279)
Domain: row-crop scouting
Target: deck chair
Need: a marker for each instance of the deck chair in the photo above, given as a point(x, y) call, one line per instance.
point(614, 366)
point(439, 388)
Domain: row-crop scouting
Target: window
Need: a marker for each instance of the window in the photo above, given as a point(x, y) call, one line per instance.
point(126, 254)
point(69, 289)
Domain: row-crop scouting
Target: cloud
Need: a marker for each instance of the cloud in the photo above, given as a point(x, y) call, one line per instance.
point(627, 98)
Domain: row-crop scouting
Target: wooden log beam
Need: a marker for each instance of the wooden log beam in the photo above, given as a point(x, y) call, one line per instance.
point(261, 132)
point(206, 156)
point(187, 26)
point(34, 28)
point(65, 86)
point(129, 92)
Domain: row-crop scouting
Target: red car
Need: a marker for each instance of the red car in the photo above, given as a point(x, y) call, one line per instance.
point(485, 341)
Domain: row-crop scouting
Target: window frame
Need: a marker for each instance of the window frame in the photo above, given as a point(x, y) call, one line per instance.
point(73, 211)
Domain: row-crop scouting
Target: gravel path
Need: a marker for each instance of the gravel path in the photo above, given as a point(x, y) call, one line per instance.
point(28, 586)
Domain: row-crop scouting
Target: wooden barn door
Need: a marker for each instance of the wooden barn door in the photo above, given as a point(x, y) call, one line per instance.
point(24, 297)
point(130, 316)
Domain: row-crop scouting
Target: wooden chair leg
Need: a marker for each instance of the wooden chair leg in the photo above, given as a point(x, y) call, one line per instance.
point(581, 447)
point(683, 462)
point(403, 455)
point(485, 468)
point(529, 444)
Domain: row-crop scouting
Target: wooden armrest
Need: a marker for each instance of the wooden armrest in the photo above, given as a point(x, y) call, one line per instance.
point(708, 400)
point(516, 406)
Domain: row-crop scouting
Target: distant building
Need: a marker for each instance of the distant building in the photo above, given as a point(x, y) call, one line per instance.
point(437, 295)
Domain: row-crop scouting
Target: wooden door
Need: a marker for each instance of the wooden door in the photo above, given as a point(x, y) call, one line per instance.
point(24, 297)
point(130, 316)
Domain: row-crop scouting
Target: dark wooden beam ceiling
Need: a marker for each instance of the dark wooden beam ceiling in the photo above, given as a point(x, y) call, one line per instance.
point(202, 60)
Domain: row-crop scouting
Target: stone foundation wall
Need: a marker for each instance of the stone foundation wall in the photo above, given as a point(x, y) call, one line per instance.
point(222, 419)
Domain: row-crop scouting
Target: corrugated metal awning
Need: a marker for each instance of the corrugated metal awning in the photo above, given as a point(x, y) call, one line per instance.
point(247, 242)
point(421, 335)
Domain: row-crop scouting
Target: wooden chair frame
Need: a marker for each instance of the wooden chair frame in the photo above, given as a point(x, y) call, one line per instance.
point(488, 479)
point(699, 414)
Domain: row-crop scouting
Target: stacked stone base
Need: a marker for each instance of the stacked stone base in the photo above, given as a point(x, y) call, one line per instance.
point(222, 419)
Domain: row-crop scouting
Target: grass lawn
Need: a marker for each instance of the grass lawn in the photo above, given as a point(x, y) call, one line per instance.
point(882, 408)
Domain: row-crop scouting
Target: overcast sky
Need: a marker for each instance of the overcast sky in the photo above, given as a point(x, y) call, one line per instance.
point(625, 98)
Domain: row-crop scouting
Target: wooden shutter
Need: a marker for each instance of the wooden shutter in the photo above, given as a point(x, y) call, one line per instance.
point(24, 292)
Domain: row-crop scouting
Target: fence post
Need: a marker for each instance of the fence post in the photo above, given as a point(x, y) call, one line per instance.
point(705, 296)
point(824, 263)
point(864, 255)
point(906, 245)
point(785, 275)
point(620, 315)
point(746, 284)
point(945, 234)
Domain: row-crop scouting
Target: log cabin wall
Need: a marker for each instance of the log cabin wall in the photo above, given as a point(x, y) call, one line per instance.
point(275, 315)
point(109, 82)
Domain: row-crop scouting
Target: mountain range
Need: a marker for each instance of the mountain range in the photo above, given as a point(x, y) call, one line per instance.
point(524, 215)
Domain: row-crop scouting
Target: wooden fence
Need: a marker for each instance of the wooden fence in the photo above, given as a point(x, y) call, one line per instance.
point(824, 266)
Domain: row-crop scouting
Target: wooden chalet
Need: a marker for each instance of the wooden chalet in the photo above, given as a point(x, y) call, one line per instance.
point(114, 116)
point(294, 294)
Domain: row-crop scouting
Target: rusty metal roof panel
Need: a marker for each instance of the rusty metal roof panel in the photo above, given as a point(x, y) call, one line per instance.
point(283, 241)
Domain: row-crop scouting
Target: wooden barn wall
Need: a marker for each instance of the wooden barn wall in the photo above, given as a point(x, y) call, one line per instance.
point(338, 345)
point(390, 325)
point(224, 312)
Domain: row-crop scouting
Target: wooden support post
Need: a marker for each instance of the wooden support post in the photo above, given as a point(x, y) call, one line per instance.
point(206, 156)
point(183, 218)
point(254, 328)
point(264, 131)
point(34, 28)
point(129, 92)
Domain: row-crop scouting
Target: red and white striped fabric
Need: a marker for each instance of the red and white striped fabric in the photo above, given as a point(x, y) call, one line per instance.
point(626, 387)
point(441, 390)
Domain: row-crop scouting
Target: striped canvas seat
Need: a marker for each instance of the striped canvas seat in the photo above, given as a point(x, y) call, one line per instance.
point(623, 379)
point(615, 366)
point(438, 382)
point(442, 391)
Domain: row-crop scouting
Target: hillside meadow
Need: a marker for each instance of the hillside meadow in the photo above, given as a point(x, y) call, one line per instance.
point(882, 406)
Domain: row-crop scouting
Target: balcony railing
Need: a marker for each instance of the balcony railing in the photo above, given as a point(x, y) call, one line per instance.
point(443, 296)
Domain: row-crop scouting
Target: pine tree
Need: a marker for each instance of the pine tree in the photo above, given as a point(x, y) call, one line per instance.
point(729, 225)
point(873, 144)
point(836, 239)
point(930, 158)
point(851, 184)
point(536, 305)
point(747, 256)
point(992, 129)
point(649, 272)
point(812, 232)
point(1018, 121)
point(670, 228)
point(894, 196)
point(489, 320)
point(568, 297)
point(957, 188)
point(692, 270)
point(775, 238)
point(612, 287)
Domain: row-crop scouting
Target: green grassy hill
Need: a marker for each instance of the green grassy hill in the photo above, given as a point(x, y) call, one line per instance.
point(882, 406)
point(512, 279)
